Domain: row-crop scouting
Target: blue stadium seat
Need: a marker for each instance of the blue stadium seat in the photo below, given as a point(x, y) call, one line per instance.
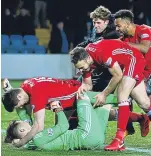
point(3, 50)
point(39, 50)
point(12, 50)
point(16, 37)
point(5, 42)
point(5, 37)
point(27, 50)
point(31, 40)
point(16, 40)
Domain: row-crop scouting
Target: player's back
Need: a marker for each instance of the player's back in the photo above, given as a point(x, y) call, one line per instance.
point(115, 49)
point(52, 89)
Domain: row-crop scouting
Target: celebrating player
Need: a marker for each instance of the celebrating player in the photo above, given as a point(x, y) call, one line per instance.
point(138, 36)
point(115, 55)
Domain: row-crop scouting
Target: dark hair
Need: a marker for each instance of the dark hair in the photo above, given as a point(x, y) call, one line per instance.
point(10, 134)
point(124, 14)
point(10, 100)
point(78, 54)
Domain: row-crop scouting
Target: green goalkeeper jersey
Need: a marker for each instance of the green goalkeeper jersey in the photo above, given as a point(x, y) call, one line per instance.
point(90, 133)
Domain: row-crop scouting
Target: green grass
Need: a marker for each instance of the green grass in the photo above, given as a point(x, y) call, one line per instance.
point(134, 141)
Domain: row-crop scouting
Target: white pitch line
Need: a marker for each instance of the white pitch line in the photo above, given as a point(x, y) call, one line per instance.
point(141, 150)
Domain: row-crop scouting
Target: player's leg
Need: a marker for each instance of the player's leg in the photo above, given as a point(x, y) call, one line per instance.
point(90, 131)
point(148, 86)
point(123, 91)
point(103, 115)
point(143, 101)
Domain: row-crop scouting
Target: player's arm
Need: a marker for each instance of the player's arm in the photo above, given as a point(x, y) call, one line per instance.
point(50, 134)
point(38, 125)
point(143, 46)
point(117, 74)
point(86, 85)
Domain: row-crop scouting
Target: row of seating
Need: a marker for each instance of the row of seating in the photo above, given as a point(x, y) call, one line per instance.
point(19, 44)
point(19, 40)
point(25, 50)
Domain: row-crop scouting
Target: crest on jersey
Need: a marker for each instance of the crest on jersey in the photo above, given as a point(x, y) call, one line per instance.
point(50, 131)
point(108, 62)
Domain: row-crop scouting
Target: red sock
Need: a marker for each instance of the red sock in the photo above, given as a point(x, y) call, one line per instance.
point(123, 116)
point(134, 117)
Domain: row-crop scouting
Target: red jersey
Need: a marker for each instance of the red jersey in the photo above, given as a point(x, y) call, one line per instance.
point(107, 52)
point(43, 90)
point(142, 33)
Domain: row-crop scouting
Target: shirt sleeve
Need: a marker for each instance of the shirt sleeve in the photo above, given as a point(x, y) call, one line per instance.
point(145, 34)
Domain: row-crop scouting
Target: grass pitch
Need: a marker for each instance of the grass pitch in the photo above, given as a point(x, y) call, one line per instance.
point(137, 145)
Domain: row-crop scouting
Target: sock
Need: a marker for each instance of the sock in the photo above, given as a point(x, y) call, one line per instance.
point(134, 117)
point(123, 116)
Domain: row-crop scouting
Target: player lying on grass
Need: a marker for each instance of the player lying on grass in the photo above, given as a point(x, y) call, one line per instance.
point(92, 123)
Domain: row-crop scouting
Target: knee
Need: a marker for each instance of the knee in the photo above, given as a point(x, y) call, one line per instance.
point(145, 104)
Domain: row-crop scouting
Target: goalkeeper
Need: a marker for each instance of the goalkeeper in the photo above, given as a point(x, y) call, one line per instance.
point(92, 123)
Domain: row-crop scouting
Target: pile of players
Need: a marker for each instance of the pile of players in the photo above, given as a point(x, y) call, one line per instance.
point(117, 58)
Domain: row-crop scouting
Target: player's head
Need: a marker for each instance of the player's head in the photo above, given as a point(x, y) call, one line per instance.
point(16, 130)
point(123, 20)
point(100, 17)
point(81, 59)
point(14, 98)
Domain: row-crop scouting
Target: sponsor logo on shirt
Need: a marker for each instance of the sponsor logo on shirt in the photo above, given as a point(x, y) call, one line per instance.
point(144, 36)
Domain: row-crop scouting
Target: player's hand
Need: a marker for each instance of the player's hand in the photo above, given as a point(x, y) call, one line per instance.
point(6, 85)
point(100, 99)
point(55, 105)
point(16, 143)
point(81, 90)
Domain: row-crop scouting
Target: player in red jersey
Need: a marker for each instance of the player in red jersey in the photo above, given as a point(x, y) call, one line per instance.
point(115, 55)
point(40, 92)
point(138, 36)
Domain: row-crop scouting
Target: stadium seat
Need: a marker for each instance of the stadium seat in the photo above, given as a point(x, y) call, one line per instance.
point(5, 42)
point(31, 40)
point(16, 37)
point(3, 50)
point(5, 37)
point(12, 50)
point(39, 50)
point(27, 50)
point(16, 40)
